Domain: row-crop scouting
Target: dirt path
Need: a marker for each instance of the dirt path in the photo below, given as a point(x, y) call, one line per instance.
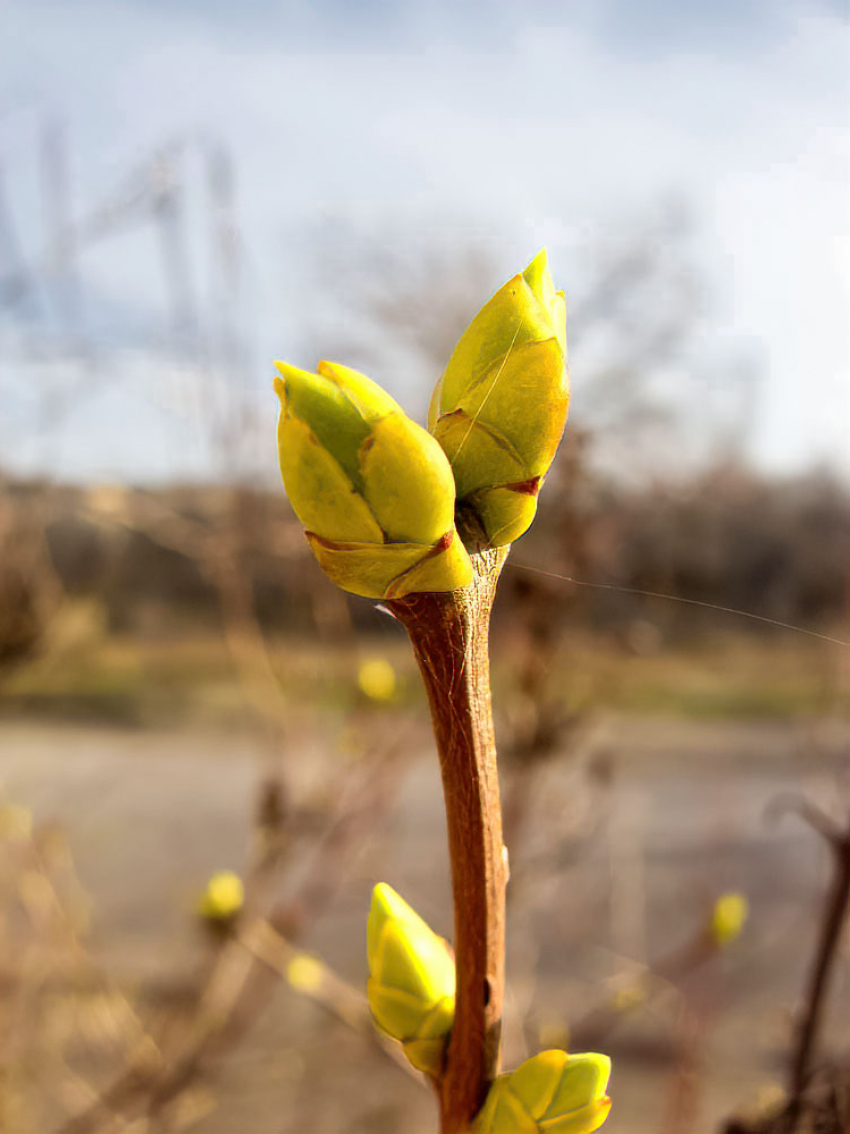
point(150, 815)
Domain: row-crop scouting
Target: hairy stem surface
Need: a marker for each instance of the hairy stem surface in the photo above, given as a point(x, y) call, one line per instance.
point(449, 633)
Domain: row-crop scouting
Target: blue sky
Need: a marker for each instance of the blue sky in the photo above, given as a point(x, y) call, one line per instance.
point(511, 125)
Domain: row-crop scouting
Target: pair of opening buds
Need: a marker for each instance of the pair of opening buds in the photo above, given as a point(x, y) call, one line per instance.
point(390, 508)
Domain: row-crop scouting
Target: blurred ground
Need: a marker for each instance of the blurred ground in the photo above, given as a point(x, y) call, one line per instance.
point(597, 889)
point(182, 691)
point(188, 678)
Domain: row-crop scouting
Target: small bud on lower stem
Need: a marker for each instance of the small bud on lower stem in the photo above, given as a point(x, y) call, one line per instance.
point(551, 1093)
point(411, 988)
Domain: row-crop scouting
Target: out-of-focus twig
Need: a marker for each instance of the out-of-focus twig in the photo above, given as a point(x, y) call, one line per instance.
point(237, 988)
point(666, 973)
point(818, 1099)
point(683, 1097)
point(322, 985)
point(834, 916)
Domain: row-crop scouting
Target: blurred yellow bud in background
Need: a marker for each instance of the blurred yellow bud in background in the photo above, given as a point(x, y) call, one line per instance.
point(305, 972)
point(223, 896)
point(728, 918)
point(500, 408)
point(377, 679)
point(411, 986)
point(551, 1093)
point(15, 822)
point(373, 489)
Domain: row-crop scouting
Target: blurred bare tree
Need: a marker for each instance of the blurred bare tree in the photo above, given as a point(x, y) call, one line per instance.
point(30, 590)
point(401, 297)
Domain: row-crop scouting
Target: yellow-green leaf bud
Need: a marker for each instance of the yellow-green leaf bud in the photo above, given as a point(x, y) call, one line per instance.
point(373, 489)
point(728, 918)
point(500, 408)
point(411, 988)
point(551, 1093)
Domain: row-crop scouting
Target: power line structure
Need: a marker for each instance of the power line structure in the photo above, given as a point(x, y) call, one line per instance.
point(62, 337)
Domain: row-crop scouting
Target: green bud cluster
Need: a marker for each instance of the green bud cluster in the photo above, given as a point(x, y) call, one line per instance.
point(379, 496)
point(551, 1093)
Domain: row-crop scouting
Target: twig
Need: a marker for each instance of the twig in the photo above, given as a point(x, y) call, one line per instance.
point(835, 912)
point(682, 1101)
point(666, 974)
point(237, 989)
point(329, 990)
point(449, 633)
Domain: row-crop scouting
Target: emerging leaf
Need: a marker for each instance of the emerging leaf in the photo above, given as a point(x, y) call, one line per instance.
point(373, 490)
point(500, 408)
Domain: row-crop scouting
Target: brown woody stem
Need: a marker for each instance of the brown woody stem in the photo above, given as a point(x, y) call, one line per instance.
point(449, 633)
